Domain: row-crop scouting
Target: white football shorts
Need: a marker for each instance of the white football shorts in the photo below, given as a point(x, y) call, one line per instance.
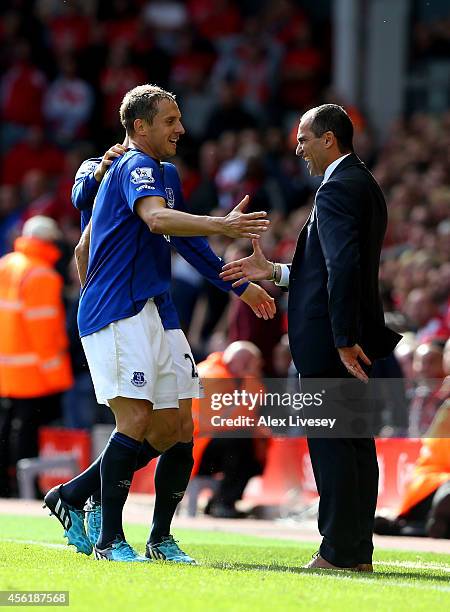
point(184, 364)
point(132, 358)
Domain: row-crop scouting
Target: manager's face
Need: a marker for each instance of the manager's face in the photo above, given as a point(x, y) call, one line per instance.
point(166, 128)
point(311, 148)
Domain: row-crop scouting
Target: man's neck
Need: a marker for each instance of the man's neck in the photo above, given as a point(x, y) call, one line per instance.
point(338, 155)
point(333, 163)
point(136, 143)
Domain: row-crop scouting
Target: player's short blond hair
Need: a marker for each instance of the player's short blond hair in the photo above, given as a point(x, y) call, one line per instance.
point(142, 102)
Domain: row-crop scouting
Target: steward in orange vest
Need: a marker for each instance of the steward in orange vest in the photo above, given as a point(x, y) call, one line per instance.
point(430, 479)
point(217, 377)
point(34, 360)
point(238, 459)
point(425, 506)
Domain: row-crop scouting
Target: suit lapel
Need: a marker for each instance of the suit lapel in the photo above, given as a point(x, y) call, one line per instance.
point(350, 160)
point(302, 233)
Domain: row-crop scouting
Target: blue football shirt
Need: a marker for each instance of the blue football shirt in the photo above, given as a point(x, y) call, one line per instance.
point(85, 189)
point(195, 249)
point(128, 264)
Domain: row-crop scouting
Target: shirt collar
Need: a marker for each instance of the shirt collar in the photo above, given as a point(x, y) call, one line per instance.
point(332, 167)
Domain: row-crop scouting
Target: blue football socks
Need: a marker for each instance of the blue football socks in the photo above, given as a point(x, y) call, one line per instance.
point(117, 468)
point(171, 479)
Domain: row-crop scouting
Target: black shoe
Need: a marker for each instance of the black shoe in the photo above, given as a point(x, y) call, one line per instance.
point(219, 510)
point(385, 526)
point(438, 524)
point(414, 529)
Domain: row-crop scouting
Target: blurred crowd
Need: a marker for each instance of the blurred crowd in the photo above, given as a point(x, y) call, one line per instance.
point(243, 73)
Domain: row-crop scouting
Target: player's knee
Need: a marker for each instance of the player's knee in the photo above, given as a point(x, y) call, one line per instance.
point(137, 420)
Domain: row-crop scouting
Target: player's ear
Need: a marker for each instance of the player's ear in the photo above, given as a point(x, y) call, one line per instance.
point(139, 126)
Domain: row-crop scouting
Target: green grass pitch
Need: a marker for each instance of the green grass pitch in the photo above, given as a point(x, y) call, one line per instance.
point(234, 573)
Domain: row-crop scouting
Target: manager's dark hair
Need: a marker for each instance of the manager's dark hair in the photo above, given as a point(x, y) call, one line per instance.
point(333, 118)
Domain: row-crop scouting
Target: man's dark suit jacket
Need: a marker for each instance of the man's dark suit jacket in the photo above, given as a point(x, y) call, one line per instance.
point(334, 299)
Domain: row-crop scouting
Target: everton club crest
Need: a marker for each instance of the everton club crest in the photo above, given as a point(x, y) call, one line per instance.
point(138, 379)
point(170, 197)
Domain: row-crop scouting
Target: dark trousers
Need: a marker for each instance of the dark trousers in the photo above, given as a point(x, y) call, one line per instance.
point(20, 420)
point(236, 458)
point(346, 475)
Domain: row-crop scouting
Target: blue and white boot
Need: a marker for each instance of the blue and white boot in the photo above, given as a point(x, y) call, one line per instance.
point(168, 550)
point(70, 518)
point(119, 550)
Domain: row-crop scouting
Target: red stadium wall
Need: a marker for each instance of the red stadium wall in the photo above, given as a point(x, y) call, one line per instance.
point(288, 471)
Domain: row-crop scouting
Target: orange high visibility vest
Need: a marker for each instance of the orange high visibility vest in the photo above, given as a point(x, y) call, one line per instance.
point(34, 358)
point(432, 469)
point(214, 374)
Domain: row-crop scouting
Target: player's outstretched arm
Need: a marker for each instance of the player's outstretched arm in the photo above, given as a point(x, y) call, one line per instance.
point(196, 251)
point(252, 268)
point(236, 224)
point(82, 253)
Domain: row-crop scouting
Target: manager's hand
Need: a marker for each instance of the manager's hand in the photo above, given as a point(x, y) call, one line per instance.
point(349, 356)
point(252, 268)
point(262, 304)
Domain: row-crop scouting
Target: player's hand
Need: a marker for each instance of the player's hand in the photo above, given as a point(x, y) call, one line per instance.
point(115, 151)
point(238, 224)
point(252, 268)
point(262, 304)
point(350, 356)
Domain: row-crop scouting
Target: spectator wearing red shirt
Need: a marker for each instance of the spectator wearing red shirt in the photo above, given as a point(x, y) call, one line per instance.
point(193, 55)
point(423, 314)
point(22, 90)
point(119, 76)
point(215, 19)
point(282, 19)
point(38, 196)
point(33, 153)
point(69, 30)
point(429, 393)
point(68, 103)
point(300, 70)
point(121, 23)
point(252, 61)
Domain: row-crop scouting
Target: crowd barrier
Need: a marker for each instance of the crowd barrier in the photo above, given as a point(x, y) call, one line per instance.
point(287, 474)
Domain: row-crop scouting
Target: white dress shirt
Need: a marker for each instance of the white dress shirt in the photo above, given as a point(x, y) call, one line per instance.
point(285, 271)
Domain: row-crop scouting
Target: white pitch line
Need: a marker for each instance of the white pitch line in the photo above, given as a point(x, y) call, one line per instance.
point(331, 575)
point(387, 583)
point(414, 565)
point(35, 542)
point(400, 564)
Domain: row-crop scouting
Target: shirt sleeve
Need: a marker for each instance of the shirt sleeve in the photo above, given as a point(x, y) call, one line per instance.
point(285, 273)
point(85, 186)
point(196, 251)
point(141, 177)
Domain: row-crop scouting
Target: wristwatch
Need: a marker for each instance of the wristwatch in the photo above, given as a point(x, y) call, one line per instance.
point(276, 272)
